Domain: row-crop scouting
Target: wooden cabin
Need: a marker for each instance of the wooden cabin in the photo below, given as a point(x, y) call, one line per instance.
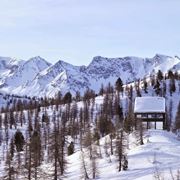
point(150, 110)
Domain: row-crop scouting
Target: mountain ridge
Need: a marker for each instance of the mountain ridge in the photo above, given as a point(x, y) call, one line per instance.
point(38, 77)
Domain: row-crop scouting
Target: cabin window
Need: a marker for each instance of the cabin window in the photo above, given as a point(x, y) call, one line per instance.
point(154, 115)
point(138, 115)
point(159, 115)
point(144, 115)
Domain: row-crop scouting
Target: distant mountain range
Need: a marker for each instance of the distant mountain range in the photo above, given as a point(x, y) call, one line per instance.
point(37, 77)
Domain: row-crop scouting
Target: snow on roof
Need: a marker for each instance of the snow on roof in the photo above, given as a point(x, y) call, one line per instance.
point(149, 104)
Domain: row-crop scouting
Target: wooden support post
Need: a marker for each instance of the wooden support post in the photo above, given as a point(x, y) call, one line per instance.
point(164, 127)
point(147, 125)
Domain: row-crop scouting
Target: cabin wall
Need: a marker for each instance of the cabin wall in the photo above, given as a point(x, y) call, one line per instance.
point(151, 118)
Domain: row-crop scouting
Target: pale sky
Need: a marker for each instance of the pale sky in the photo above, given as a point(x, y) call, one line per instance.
point(77, 30)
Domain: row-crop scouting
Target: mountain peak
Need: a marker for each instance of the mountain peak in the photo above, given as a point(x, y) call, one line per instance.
point(38, 59)
point(48, 79)
point(161, 56)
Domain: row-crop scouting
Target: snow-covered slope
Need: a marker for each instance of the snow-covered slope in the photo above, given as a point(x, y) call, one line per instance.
point(176, 67)
point(8, 66)
point(158, 156)
point(61, 76)
point(36, 77)
point(15, 74)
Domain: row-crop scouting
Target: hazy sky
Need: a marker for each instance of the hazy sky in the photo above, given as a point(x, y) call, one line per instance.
point(77, 30)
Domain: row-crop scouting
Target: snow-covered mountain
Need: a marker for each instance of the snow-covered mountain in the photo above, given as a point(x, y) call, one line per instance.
point(37, 77)
point(15, 74)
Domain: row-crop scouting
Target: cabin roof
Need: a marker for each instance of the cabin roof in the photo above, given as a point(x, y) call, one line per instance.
point(149, 105)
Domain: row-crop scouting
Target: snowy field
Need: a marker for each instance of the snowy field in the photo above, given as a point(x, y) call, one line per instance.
point(160, 155)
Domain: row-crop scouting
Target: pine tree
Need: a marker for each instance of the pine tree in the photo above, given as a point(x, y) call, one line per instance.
point(145, 85)
point(84, 166)
point(1, 120)
point(5, 121)
point(9, 168)
point(94, 163)
point(130, 92)
point(72, 123)
point(12, 149)
point(120, 148)
point(78, 96)
point(57, 145)
point(36, 154)
point(170, 74)
point(177, 119)
point(11, 118)
point(164, 89)
point(119, 86)
point(109, 89)
point(129, 122)
point(169, 118)
point(125, 163)
point(58, 97)
point(105, 125)
point(138, 91)
point(70, 149)
point(140, 132)
point(106, 147)
point(160, 75)
point(157, 87)
point(88, 141)
point(153, 80)
point(101, 91)
point(19, 140)
point(67, 98)
point(45, 118)
point(172, 86)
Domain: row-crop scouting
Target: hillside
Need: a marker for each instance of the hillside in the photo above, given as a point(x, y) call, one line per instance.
point(94, 126)
point(158, 156)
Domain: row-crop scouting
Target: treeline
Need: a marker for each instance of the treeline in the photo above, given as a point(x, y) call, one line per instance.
point(47, 130)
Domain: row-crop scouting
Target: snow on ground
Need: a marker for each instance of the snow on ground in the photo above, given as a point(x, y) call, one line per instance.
point(160, 153)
